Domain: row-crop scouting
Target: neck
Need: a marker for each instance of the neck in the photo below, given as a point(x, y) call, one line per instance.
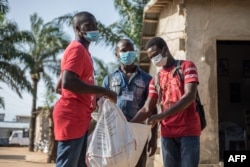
point(170, 62)
point(128, 68)
point(84, 42)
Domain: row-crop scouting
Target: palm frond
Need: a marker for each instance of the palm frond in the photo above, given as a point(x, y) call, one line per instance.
point(108, 37)
point(4, 7)
point(48, 82)
point(13, 77)
point(65, 19)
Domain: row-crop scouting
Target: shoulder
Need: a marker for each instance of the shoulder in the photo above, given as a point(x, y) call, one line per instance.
point(76, 47)
point(74, 44)
point(187, 63)
point(107, 79)
point(189, 71)
point(114, 74)
point(110, 76)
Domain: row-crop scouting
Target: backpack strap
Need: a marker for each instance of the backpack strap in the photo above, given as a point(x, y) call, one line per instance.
point(178, 69)
point(109, 80)
point(157, 86)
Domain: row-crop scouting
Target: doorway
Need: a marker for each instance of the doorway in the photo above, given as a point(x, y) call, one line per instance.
point(233, 77)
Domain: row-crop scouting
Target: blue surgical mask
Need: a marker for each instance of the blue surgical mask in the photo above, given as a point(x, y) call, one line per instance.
point(127, 58)
point(92, 36)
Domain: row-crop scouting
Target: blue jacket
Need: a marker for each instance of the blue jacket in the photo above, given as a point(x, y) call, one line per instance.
point(132, 93)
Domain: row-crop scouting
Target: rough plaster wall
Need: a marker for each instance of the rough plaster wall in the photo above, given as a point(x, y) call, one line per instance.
point(201, 24)
point(171, 28)
point(208, 21)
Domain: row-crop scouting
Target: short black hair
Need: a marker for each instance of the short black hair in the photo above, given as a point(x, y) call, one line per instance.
point(81, 17)
point(158, 41)
point(127, 41)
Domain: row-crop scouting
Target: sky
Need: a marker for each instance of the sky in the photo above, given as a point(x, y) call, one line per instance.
point(20, 12)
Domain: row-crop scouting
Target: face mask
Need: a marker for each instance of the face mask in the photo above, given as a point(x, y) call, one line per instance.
point(92, 36)
point(159, 61)
point(127, 58)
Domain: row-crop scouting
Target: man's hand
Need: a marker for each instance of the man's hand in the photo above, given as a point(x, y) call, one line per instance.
point(111, 95)
point(152, 146)
point(154, 119)
point(100, 101)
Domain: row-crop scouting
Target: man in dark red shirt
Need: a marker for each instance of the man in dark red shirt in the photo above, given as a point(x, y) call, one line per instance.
point(72, 112)
point(180, 123)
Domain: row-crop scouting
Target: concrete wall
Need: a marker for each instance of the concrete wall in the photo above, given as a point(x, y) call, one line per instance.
point(171, 27)
point(201, 23)
point(207, 22)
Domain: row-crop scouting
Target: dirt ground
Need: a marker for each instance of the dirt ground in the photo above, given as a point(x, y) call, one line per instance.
point(21, 157)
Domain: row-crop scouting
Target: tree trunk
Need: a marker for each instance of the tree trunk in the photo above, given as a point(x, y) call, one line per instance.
point(33, 117)
point(52, 143)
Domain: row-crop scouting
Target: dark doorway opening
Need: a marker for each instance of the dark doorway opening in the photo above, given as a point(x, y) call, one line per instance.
point(233, 76)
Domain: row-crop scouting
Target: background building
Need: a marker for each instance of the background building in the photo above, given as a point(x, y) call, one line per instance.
point(7, 127)
point(215, 35)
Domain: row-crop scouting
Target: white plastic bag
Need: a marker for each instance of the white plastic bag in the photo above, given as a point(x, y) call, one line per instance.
point(116, 142)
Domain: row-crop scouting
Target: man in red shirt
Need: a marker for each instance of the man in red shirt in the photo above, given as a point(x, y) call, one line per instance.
point(72, 112)
point(180, 123)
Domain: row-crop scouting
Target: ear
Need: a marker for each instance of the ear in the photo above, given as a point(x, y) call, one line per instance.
point(165, 49)
point(116, 54)
point(77, 28)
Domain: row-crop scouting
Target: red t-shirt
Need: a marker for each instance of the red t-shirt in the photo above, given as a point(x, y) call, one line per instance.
point(72, 112)
point(183, 123)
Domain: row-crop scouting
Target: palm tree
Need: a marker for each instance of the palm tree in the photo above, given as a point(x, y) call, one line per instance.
point(4, 8)
point(10, 37)
point(50, 98)
point(49, 41)
point(129, 26)
point(103, 69)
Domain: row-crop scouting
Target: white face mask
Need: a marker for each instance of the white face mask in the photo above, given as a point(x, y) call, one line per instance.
point(159, 61)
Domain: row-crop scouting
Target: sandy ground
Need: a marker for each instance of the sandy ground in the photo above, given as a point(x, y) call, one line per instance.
point(21, 157)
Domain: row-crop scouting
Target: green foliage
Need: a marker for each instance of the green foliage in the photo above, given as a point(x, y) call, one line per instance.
point(4, 8)
point(49, 41)
point(131, 13)
point(49, 99)
point(103, 70)
point(129, 26)
point(10, 57)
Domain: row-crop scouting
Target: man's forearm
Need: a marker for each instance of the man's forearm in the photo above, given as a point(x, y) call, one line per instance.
point(140, 116)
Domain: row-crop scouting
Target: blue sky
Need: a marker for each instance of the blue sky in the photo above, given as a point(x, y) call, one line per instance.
point(20, 12)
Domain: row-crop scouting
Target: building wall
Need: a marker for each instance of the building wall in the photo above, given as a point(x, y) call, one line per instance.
point(171, 27)
point(200, 23)
point(6, 128)
point(207, 22)
point(20, 118)
point(2, 115)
